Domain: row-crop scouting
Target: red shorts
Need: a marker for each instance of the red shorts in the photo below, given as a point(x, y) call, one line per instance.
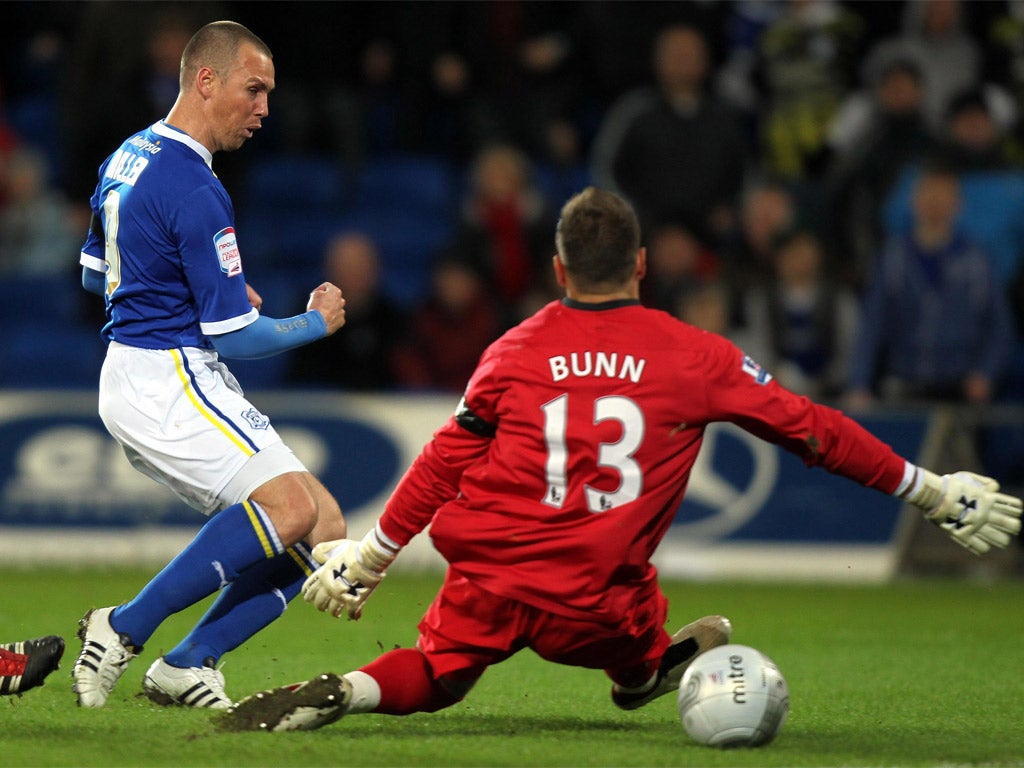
point(467, 629)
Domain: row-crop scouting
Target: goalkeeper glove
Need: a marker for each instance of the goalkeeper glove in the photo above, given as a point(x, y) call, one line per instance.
point(969, 508)
point(350, 572)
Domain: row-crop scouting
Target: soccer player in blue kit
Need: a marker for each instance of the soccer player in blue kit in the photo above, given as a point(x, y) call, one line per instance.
point(162, 250)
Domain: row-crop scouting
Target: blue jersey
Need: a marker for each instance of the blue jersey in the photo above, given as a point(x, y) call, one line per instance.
point(167, 247)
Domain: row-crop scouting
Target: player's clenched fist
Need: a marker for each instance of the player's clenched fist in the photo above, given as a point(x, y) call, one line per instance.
point(326, 298)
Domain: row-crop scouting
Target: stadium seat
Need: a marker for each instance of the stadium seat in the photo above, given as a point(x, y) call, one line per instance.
point(282, 183)
point(557, 184)
point(22, 296)
point(407, 182)
point(52, 355)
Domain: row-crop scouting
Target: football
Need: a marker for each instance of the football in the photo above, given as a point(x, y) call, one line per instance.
point(733, 696)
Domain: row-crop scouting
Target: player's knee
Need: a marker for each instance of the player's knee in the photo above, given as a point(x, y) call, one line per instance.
point(291, 507)
point(328, 528)
point(330, 523)
point(452, 688)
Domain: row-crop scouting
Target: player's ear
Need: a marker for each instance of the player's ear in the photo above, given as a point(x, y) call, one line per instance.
point(205, 78)
point(641, 263)
point(556, 262)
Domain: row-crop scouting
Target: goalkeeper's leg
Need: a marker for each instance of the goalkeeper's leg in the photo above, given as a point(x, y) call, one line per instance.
point(400, 682)
point(636, 686)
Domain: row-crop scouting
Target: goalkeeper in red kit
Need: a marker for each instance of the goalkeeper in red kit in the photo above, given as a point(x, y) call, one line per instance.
point(559, 473)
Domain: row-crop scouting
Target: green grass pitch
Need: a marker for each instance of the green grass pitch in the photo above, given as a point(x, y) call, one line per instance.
point(925, 673)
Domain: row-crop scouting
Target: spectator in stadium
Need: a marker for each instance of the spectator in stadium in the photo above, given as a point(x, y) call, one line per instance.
point(449, 330)
point(361, 358)
point(972, 139)
point(877, 133)
point(705, 305)
point(94, 119)
point(768, 209)
point(936, 323)
point(992, 199)
point(935, 38)
point(672, 149)
point(550, 487)
point(504, 228)
point(677, 263)
point(25, 665)
point(37, 227)
point(163, 253)
point(801, 324)
point(1006, 48)
point(806, 60)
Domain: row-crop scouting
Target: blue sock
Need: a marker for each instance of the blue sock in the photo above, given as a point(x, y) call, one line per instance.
point(248, 604)
point(233, 540)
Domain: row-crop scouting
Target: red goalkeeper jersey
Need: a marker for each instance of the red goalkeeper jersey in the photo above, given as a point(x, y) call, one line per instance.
point(563, 467)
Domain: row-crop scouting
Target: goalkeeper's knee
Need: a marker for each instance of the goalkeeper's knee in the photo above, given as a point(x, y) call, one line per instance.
point(455, 686)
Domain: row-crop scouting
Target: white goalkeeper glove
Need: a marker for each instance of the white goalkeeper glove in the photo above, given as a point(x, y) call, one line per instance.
point(349, 573)
point(969, 508)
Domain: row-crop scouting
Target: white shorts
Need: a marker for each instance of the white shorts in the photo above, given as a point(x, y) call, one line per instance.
point(182, 419)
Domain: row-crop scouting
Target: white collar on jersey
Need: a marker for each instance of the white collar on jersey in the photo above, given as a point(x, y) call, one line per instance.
point(163, 129)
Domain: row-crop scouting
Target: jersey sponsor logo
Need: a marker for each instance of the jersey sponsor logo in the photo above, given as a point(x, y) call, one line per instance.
point(144, 144)
point(227, 252)
point(755, 371)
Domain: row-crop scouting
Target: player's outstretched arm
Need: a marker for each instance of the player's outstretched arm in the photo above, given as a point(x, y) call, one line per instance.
point(350, 573)
point(968, 507)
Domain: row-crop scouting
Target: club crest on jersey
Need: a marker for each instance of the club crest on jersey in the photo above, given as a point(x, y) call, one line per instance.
point(227, 252)
point(256, 419)
point(755, 371)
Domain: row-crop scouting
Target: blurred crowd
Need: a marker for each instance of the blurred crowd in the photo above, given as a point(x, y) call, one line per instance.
point(836, 186)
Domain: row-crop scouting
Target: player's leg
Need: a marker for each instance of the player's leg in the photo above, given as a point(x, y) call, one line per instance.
point(641, 659)
point(400, 682)
point(628, 692)
point(173, 427)
point(232, 541)
point(25, 665)
point(656, 663)
point(187, 674)
point(464, 631)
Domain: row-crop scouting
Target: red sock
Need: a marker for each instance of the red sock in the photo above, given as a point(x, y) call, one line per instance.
point(407, 683)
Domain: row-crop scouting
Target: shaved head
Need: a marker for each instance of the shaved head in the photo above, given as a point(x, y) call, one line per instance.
point(216, 46)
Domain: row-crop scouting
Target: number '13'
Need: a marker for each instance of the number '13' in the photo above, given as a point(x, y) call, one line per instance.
point(617, 455)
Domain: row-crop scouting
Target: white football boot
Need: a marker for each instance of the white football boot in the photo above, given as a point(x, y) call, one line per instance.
point(104, 657)
point(687, 644)
point(298, 707)
point(188, 686)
